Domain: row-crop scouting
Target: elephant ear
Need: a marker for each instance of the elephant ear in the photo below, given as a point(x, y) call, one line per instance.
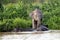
point(31, 14)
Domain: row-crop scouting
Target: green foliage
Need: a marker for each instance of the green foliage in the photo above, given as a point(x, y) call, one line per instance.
point(51, 12)
point(15, 15)
point(22, 23)
point(10, 24)
point(15, 10)
point(6, 25)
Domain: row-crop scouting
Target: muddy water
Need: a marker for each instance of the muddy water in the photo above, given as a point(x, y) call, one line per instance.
point(46, 35)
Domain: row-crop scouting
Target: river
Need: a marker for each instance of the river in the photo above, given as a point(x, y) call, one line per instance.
point(40, 35)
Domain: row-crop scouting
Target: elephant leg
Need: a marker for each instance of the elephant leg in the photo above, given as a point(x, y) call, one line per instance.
point(33, 24)
point(38, 24)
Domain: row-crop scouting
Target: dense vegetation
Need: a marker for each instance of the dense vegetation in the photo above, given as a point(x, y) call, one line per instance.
point(14, 15)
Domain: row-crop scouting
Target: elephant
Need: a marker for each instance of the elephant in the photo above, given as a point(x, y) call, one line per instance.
point(36, 16)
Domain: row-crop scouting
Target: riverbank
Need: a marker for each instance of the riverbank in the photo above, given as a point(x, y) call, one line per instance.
point(42, 35)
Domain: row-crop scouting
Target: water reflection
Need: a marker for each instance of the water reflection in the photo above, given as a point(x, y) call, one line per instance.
point(47, 35)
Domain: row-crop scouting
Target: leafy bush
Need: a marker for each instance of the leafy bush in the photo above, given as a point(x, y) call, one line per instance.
point(51, 12)
point(10, 24)
point(17, 15)
point(22, 23)
point(6, 25)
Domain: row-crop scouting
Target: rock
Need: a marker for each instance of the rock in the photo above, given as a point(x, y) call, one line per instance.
point(27, 29)
point(42, 28)
point(16, 30)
